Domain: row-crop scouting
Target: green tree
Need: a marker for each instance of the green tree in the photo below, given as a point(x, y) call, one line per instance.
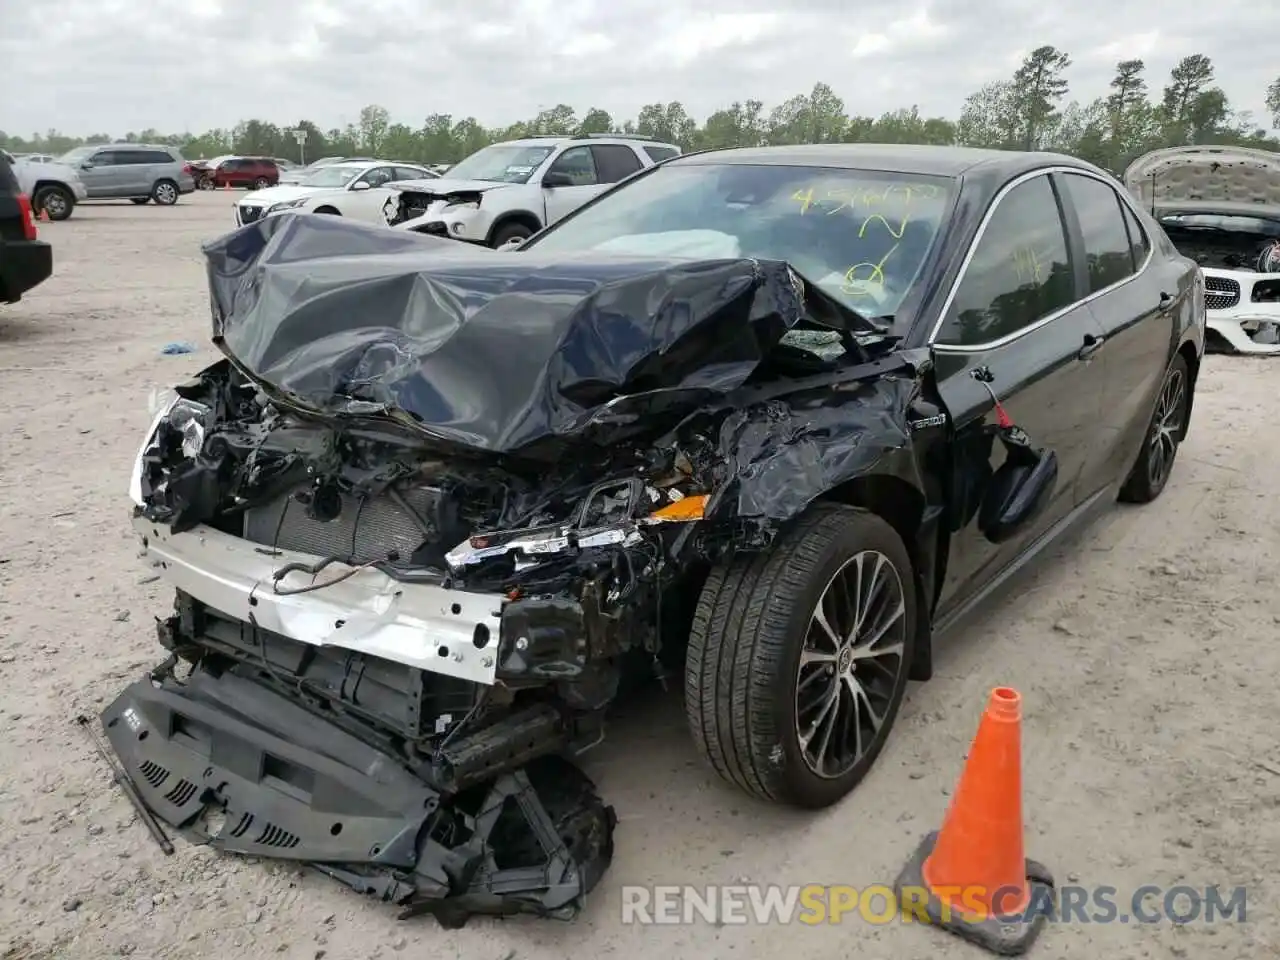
point(1187, 83)
point(1273, 102)
point(990, 117)
point(374, 123)
point(1038, 86)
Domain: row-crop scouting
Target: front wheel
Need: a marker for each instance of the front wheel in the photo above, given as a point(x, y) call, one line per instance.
point(1164, 436)
point(55, 201)
point(512, 231)
point(798, 657)
point(261, 183)
point(165, 193)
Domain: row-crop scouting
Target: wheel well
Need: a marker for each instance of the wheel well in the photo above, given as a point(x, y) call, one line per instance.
point(523, 218)
point(44, 184)
point(902, 506)
point(1188, 352)
point(326, 209)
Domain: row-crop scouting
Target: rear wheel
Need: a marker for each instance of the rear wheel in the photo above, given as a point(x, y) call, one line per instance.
point(798, 658)
point(1164, 435)
point(165, 193)
point(261, 183)
point(57, 202)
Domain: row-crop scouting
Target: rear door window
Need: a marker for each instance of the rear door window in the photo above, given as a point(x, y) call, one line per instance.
point(1139, 242)
point(614, 162)
point(1020, 271)
point(1108, 253)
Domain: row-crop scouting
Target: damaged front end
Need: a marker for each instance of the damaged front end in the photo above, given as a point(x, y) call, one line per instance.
point(431, 514)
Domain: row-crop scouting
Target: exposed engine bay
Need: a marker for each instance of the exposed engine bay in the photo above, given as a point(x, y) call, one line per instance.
point(1220, 206)
point(431, 514)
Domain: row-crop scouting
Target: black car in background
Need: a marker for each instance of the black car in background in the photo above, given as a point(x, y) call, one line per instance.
point(25, 260)
point(769, 420)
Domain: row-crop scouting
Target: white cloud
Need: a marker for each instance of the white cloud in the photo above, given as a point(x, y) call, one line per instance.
point(111, 66)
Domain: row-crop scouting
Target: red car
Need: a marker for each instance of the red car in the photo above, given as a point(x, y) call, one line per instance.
point(255, 173)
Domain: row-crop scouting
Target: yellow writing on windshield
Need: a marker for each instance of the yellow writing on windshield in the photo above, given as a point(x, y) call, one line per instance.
point(854, 285)
point(872, 203)
point(864, 199)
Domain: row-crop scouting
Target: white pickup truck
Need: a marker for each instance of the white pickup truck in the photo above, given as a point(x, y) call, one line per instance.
point(509, 191)
point(54, 188)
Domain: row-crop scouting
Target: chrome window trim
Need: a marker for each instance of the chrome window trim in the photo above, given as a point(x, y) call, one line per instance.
point(1047, 318)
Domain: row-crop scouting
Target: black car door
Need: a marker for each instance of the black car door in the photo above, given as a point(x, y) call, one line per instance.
point(1015, 317)
point(1136, 298)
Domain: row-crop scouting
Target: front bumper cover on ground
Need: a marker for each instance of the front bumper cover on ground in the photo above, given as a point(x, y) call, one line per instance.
point(287, 785)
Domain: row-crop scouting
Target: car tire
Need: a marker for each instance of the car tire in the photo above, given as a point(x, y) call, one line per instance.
point(508, 232)
point(261, 183)
point(165, 193)
point(749, 662)
point(57, 202)
point(140, 200)
point(1164, 435)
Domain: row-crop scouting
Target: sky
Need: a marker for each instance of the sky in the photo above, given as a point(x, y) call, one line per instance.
point(114, 66)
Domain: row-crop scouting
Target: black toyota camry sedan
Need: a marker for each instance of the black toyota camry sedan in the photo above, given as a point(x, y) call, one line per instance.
point(768, 420)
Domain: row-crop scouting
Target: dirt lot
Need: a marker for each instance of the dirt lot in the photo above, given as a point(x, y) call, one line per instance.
point(1146, 654)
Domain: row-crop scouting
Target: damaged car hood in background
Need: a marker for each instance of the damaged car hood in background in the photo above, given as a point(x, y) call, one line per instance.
point(494, 352)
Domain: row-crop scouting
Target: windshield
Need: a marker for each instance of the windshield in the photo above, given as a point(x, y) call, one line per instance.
point(337, 175)
point(76, 155)
point(862, 236)
point(504, 163)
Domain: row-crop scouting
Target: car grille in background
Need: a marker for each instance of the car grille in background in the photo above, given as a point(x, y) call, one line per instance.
point(249, 214)
point(365, 531)
point(1220, 293)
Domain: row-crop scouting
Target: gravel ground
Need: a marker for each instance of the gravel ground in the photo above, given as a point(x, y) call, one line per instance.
point(1146, 653)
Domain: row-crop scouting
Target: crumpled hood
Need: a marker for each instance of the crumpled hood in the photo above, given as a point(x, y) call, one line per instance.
point(495, 352)
point(443, 186)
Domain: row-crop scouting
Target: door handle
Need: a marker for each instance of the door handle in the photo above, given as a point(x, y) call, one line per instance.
point(1166, 301)
point(1092, 344)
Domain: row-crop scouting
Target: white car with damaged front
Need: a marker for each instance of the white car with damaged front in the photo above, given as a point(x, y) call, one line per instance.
point(1220, 206)
point(358, 190)
point(509, 191)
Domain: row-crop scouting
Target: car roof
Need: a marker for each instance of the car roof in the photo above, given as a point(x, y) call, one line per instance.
point(557, 139)
point(916, 159)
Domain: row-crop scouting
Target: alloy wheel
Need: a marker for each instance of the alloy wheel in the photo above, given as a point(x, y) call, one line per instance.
point(1166, 428)
point(850, 664)
point(55, 204)
point(166, 194)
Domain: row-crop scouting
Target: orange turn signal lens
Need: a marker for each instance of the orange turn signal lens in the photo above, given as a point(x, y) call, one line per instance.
point(689, 508)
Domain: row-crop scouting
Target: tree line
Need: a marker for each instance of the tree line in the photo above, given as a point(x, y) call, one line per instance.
point(1029, 110)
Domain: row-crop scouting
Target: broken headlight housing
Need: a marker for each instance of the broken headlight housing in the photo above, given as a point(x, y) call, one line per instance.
point(185, 419)
point(612, 515)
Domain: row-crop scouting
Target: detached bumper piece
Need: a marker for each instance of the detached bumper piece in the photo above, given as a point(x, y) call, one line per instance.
point(225, 761)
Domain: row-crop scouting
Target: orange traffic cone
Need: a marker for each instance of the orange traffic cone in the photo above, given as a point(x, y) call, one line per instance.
point(44, 216)
point(971, 877)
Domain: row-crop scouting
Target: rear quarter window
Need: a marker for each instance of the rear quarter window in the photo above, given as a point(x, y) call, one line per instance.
point(658, 154)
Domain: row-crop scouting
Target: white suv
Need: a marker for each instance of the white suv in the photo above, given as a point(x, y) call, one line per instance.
point(510, 191)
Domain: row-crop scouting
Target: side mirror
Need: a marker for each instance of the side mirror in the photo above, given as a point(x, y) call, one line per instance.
point(360, 185)
point(87, 165)
point(1018, 493)
point(555, 179)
